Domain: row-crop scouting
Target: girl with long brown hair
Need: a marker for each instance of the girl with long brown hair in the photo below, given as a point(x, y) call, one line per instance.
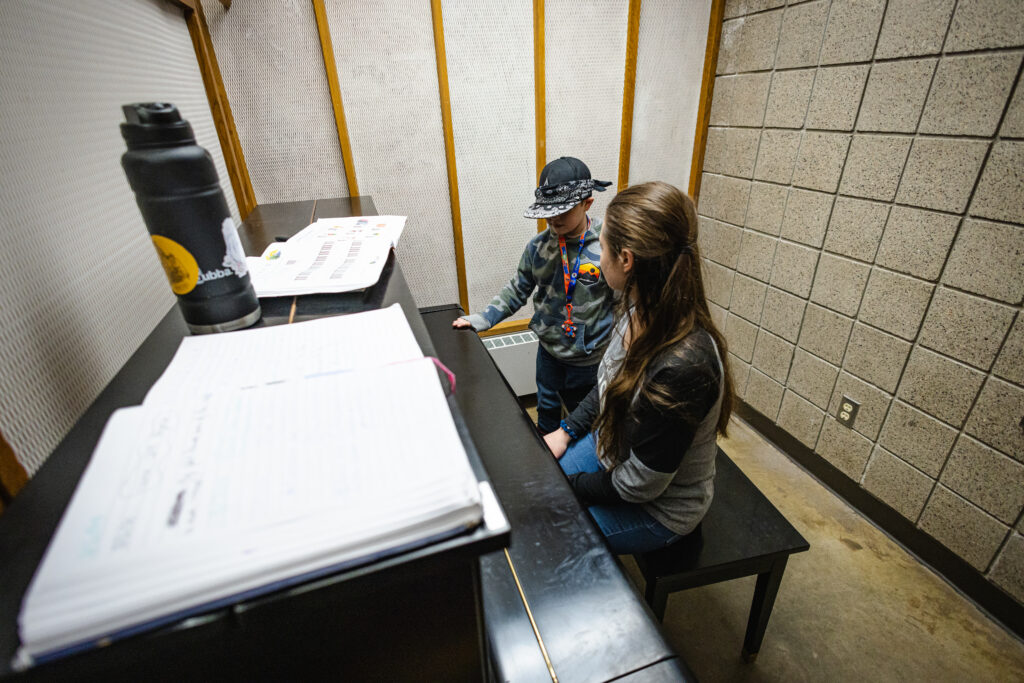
point(640, 449)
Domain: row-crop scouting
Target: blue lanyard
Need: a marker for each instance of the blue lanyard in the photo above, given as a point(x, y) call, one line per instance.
point(568, 327)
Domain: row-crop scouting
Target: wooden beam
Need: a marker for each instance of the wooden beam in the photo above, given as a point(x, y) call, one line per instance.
point(12, 474)
point(231, 146)
point(449, 152)
point(506, 327)
point(335, 87)
point(540, 107)
point(628, 90)
point(707, 91)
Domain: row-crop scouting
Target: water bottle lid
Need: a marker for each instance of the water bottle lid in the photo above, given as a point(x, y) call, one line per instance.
point(154, 124)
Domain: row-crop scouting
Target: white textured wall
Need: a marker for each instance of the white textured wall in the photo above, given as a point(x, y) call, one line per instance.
point(81, 284)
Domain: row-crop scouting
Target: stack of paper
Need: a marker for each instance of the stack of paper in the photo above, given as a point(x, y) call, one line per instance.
point(329, 256)
point(262, 458)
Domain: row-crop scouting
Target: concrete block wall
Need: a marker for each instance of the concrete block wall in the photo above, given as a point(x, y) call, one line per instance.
point(862, 226)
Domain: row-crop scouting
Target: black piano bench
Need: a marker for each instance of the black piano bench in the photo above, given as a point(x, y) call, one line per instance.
point(742, 534)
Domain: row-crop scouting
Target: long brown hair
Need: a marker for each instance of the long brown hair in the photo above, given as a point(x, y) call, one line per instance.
point(658, 224)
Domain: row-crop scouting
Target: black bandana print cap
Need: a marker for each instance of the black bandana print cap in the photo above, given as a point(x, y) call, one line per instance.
point(564, 183)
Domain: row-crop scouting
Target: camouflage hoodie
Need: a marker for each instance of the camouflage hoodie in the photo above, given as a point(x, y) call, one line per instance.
point(541, 267)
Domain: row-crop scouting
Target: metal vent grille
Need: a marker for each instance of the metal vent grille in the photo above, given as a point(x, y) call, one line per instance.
point(670, 63)
point(490, 78)
point(516, 358)
point(273, 70)
point(388, 74)
point(82, 286)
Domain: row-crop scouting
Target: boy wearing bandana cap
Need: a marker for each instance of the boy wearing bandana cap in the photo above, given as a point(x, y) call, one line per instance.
point(572, 303)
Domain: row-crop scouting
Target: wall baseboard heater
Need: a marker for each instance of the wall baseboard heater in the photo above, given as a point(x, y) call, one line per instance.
point(516, 357)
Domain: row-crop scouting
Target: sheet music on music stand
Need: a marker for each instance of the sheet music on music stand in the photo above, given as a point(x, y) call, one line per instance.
point(329, 256)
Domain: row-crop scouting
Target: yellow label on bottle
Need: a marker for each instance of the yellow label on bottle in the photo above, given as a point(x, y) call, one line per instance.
point(180, 266)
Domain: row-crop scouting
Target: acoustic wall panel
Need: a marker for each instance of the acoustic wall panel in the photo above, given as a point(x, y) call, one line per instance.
point(388, 74)
point(81, 285)
point(490, 80)
point(585, 45)
point(273, 70)
point(670, 65)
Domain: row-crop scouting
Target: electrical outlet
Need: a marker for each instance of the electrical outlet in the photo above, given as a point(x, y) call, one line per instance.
point(847, 412)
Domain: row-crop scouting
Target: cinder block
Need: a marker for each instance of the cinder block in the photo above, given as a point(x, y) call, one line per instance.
point(895, 303)
point(787, 100)
point(737, 8)
point(916, 241)
point(836, 97)
point(1008, 569)
point(873, 166)
point(965, 327)
point(855, 228)
point(757, 252)
point(748, 298)
point(876, 356)
point(718, 315)
point(844, 448)
point(718, 283)
point(918, 438)
point(719, 241)
point(723, 198)
point(767, 206)
point(740, 335)
point(941, 172)
point(895, 95)
point(748, 43)
point(777, 156)
point(739, 371)
point(962, 527)
point(793, 269)
point(839, 283)
point(1010, 363)
point(1013, 123)
point(1000, 193)
point(852, 31)
point(988, 259)
point(763, 394)
point(995, 418)
point(801, 419)
point(783, 314)
point(806, 217)
point(987, 478)
point(897, 484)
point(772, 356)
point(874, 403)
point(819, 162)
point(739, 100)
point(986, 23)
point(913, 27)
point(812, 378)
point(731, 151)
point(939, 386)
point(825, 333)
point(969, 94)
point(803, 27)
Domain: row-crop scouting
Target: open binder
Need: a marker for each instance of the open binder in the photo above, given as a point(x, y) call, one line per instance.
point(229, 483)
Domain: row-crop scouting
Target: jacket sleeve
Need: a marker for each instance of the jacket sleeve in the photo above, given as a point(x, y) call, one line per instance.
point(512, 296)
point(582, 418)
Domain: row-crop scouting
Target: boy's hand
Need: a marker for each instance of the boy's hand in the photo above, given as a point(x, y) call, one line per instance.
point(558, 441)
point(462, 324)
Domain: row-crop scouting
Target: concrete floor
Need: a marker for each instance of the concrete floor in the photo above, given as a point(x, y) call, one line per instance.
point(856, 607)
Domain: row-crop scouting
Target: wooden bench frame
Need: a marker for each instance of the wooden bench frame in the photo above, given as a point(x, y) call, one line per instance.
point(742, 534)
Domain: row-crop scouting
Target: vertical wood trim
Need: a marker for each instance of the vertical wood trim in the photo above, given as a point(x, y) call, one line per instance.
point(12, 473)
point(449, 150)
point(336, 104)
point(707, 89)
point(217, 96)
point(628, 91)
point(540, 106)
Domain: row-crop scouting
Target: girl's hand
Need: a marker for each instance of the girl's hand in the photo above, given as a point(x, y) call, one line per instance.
point(558, 441)
point(461, 324)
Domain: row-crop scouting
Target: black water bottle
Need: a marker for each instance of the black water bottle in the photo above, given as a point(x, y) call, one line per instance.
point(179, 194)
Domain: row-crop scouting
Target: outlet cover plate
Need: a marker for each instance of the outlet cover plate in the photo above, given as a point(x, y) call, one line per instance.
point(847, 412)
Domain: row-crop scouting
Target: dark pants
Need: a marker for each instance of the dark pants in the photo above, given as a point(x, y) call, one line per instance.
point(558, 383)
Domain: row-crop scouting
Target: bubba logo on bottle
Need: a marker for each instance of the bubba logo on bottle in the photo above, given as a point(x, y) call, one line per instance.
point(180, 266)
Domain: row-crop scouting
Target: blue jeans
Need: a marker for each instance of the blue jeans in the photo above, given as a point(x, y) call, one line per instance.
point(558, 383)
point(627, 526)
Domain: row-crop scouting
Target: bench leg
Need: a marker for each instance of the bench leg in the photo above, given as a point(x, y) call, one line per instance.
point(761, 608)
point(656, 599)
